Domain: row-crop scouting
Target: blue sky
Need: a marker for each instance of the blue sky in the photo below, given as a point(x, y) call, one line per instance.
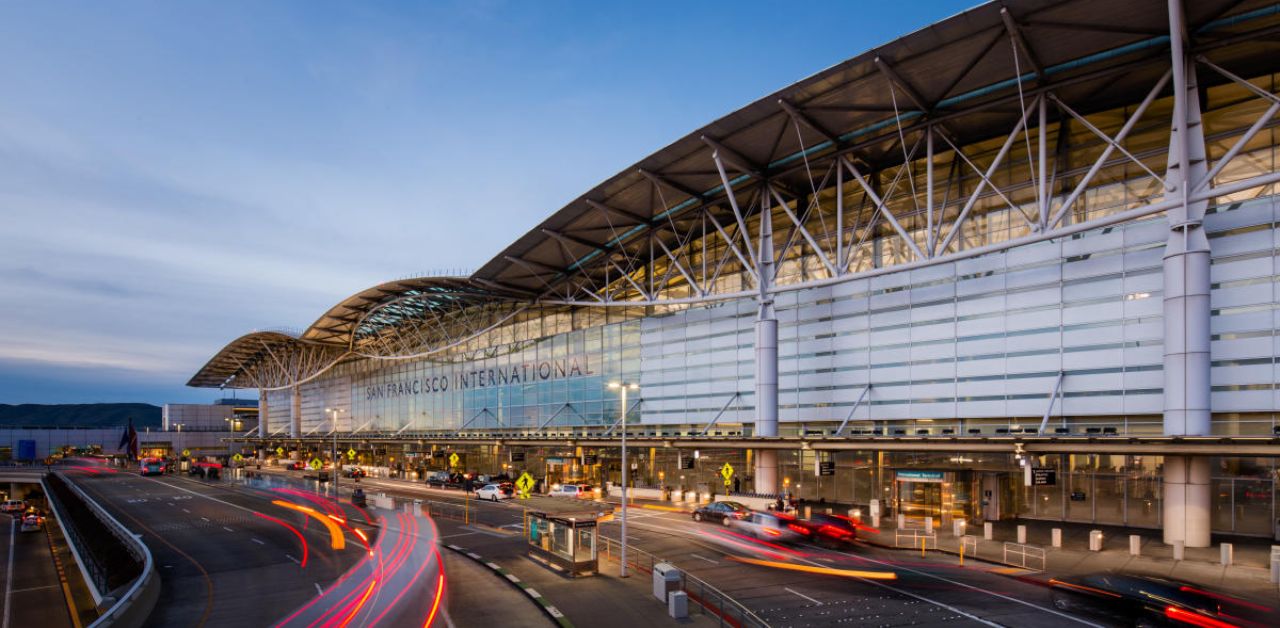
point(173, 175)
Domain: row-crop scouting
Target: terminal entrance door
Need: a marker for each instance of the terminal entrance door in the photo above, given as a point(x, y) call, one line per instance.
point(919, 493)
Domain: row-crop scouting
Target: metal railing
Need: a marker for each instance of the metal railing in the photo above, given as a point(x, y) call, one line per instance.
point(714, 602)
point(969, 545)
point(912, 538)
point(1023, 555)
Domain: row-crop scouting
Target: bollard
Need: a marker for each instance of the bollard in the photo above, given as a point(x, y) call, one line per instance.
point(875, 521)
point(902, 521)
point(1022, 534)
point(808, 512)
point(830, 510)
point(1275, 564)
point(988, 531)
point(1179, 550)
point(1135, 545)
point(1057, 537)
point(1095, 540)
point(928, 525)
point(1228, 554)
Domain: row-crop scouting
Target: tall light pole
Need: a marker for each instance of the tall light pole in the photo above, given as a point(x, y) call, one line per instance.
point(623, 387)
point(337, 467)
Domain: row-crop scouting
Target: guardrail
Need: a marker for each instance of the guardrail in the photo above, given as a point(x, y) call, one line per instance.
point(134, 605)
point(911, 538)
point(1024, 555)
point(726, 610)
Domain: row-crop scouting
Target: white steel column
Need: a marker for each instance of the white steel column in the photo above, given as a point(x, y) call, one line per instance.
point(1186, 305)
point(264, 413)
point(766, 381)
point(295, 414)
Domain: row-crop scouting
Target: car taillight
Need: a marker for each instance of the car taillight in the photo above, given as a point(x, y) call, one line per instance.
point(1193, 618)
point(798, 528)
point(831, 530)
point(772, 532)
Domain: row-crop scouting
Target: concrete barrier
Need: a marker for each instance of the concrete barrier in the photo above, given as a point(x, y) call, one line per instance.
point(1135, 545)
point(1056, 534)
point(1095, 540)
point(988, 530)
point(1228, 554)
point(1022, 534)
point(1179, 550)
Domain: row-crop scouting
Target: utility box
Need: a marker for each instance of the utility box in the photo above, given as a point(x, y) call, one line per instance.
point(666, 580)
point(678, 605)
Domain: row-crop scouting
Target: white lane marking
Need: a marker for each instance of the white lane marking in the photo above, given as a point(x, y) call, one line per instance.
point(713, 562)
point(258, 541)
point(292, 559)
point(533, 593)
point(971, 588)
point(319, 591)
point(8, 580)
point(46, 586)
point(449, 536)
point(448, 621)
point(172, 504)
point(874, 583)
point(227, 529)
point(205, 518)
point(791, 590)
point(186, 511)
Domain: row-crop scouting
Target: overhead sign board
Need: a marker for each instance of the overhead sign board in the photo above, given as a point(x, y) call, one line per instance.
point(590, 459)
point(1044, 477)
point(517, 456)
point(914, 475)
point(826, 467)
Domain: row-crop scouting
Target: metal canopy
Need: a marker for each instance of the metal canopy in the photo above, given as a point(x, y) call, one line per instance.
point(1094, 54)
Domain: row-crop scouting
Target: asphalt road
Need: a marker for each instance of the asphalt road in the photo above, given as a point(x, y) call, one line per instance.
point(220, 562)
point(33, 594)
point(929, 591)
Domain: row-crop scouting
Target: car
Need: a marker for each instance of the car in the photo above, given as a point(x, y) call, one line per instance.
point(296, 465)
point(354, 472)
point(151, 466)
point(31, 522)
point(13, 506)
point(722, 512)
point(207, 470)
point(576, 491)
point(492, 492)
point(1144, 601)
point(832, 529)
point(771, 526)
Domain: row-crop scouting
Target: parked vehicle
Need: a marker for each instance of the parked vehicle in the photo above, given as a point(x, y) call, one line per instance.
point(771, 526)
point(13, 506)
point(354, 472)
point(206, 470)
point(722, 512)
point(358, 499)
point(492, 492)
point(576, 491)
point(296, 465)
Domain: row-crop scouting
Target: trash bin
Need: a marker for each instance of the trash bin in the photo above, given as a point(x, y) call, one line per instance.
point(678, 605)
point(666, 579)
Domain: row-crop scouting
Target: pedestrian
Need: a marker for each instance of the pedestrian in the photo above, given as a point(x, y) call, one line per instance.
point(737, 484)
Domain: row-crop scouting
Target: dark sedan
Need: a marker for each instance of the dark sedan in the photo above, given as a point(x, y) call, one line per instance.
point(1141, 601)
point(721, 511)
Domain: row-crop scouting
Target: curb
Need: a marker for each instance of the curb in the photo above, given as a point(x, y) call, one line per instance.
point(551, 611)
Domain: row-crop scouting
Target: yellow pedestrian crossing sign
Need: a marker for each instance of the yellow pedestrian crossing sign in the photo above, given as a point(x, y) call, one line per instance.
point(726, 472)
point(237, 457)
point(186, 453)
point(316, 464)
point(453, 460)
point(351, 453)
point(279, 451)
point(525, 484)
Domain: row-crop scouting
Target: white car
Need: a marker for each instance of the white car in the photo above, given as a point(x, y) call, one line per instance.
point(576, 491)
point(492, 492)
point(769, 527)
point(13, 506)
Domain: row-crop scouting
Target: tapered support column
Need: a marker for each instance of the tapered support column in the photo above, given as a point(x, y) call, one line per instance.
point(1186, 500)
point(264, 414)
point(1186, 305)
point(295, 413)
point(766, 371)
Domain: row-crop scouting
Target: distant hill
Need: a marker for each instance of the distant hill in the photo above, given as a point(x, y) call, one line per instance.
point(79, 415)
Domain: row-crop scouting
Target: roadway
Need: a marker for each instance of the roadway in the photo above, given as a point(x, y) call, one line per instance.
point(931, 590)
point(229, 556)
point(33, 592)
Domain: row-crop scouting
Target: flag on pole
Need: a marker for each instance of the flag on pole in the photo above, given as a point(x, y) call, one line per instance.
point(129, 440)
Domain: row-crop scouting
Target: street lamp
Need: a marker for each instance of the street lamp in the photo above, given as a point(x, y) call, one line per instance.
point(623, 387)
point(336, 466)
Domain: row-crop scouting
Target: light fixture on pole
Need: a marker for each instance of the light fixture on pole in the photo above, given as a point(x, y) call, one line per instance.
point(623, 387)
point(336, 465)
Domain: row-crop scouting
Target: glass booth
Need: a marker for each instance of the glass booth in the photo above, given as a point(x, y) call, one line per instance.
point(565, 542)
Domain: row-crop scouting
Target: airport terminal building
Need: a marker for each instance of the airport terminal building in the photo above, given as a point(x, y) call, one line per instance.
point(1036, 235)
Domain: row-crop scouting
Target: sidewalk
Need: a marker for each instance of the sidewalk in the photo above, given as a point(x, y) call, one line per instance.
point(586, 601)
point(1247, 576)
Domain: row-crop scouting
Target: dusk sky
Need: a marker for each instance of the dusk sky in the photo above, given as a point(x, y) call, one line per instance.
point(176, 174)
